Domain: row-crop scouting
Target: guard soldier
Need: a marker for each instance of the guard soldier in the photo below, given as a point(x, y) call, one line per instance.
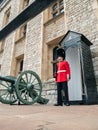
point(62, 76)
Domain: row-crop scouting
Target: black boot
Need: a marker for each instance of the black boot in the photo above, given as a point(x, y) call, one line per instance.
point(58, 104)
point(67, 104)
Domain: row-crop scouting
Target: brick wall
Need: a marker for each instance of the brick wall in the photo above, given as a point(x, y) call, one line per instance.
point(81, 15)
point(54, 28)
point(81, 18)
point(33, 49)
point(9, 42)
point(20, 47)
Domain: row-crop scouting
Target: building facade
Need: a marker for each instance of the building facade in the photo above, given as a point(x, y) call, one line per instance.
point(31, 46)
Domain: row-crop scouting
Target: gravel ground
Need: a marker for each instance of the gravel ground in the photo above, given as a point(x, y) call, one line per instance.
point(45, 117)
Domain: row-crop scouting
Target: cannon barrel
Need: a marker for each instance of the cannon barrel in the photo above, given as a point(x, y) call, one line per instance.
point(8, 79)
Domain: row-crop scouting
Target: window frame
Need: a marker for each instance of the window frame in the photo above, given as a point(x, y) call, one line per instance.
point(7, 16)
point(23, 5)
point(19, 62)
point(58, 9)
point(2, 45)
point(21, 32)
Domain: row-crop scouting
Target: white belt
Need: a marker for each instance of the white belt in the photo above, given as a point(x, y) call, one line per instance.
point(59, 71)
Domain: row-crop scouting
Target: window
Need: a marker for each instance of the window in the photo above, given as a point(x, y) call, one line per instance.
point(2, 44)
point(23, 4)
point(53, 11)
point(58, 8)
point(7, 16)
point(55, 7)
point(21, 32)
point(55, 14)
point(19, 64)
point(61, 3)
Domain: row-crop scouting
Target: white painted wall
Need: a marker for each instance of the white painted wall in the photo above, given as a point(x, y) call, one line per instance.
point(75, 83)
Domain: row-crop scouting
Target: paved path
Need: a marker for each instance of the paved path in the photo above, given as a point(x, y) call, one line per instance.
point(39, 117)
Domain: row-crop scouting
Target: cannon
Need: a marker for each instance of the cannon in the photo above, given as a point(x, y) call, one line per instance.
point(26, 88)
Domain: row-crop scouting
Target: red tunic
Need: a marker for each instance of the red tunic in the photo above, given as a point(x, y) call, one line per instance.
point(63, 70)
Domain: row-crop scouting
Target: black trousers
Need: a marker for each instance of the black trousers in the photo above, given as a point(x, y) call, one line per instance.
point(62, 93)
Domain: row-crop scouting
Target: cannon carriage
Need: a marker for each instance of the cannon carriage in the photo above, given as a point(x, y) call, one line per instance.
point(27, 89)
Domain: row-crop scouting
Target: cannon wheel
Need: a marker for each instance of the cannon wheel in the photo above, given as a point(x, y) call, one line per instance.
point(28, 87)
point(7, 92)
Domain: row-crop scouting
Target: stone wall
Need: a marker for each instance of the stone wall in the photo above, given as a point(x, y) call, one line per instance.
point(49, 91)
point(20, 47)
point(2, 12)
point(81, 15)
point(54, 28)
point(81, 18)
point(7, 55)
point(9, 41)
point(33, 48)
